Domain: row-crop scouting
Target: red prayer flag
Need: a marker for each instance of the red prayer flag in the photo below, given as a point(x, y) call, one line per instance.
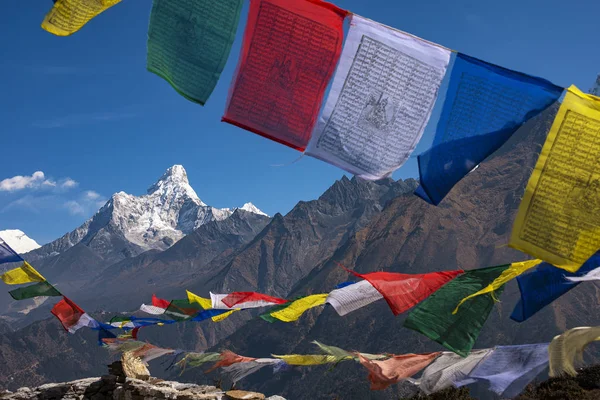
point(387, 372)
point(228, 358)
point(239, 298)
point(67, 312)
point(290, 51)
point(160, 303)
point(403, 291)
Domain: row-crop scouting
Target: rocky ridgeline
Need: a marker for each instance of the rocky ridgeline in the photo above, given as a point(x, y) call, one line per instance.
point(117, 385)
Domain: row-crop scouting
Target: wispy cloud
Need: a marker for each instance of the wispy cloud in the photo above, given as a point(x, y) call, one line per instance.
point(35, 181)
point(83, 119)
point(87, 203)
point(35, 204)
point(83, 203)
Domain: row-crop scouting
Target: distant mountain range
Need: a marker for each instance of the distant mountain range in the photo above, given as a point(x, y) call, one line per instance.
point(368, 226)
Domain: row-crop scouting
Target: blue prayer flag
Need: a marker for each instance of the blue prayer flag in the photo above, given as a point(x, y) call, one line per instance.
point(544, 284)
point(8, 255)
point(485, 104)
point(206, 314)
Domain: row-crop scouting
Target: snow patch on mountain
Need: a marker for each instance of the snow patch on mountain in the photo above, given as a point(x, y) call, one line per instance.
point(19, 241)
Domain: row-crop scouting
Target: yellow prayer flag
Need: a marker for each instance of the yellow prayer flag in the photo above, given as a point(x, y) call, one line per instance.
point(508, 274)
point(194, 298)
point(207, 305)
point(298, 307)
point(68, 16)
point(310, 359)
point(559, 217)
point(23, 274)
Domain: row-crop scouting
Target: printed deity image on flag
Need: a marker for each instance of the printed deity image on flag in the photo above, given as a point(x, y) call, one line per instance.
point(381, 99)
point(559, 217)
point(288, 56)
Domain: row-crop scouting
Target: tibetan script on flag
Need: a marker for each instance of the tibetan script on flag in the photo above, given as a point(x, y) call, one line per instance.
point(381, 99)
point(69, 16)
point(559, 217)
point(189, 43)
point(289, 53)
point(485, 104)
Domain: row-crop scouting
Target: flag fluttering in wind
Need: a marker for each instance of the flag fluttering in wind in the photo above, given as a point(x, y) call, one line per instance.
point(289, 53)
point(457, 332)
point(71, 316)
point(567, 349)
point(189, 43)
point(485, 104)
point(68, 16)
point(559, 216)
point(387, 372)
point(22, 274)
point(41, 289)
point(352, 297)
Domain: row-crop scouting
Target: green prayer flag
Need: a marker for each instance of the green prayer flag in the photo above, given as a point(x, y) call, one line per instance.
point(35, 290)
point(433, 317)
point(181, 310)
point(189, 42)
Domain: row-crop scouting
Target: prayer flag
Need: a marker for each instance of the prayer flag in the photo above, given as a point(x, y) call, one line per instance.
point(514, 270)
point(402, 291)
point(593, 275)
point(382, 96)
point(289, 53)
point(251, 300)
point(508, 369)
point(567, 349)
point(181, 310)
point(189, 43)
point(388, 372)
point(215, 315)
point(267, 316)
point(239, 371)
point(68, 16)
point(7, 254)
point(457, 332)
point(35, 290)
point(308, 359)
point(485, 104)
point(207, 304)
point(202, 301)
point(449, 369)
point(23, 274)
point(71, 316)
point(353, 297)
point(162, 303)
point(149, 352)
point(333, 351)
point(544, 284)
point(228, 358)
point(559, 217)
point(299, 307)
point(197, 359)
point(158, 307)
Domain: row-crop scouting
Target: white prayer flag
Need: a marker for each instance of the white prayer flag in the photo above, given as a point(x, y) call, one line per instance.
point(381, 99)
point(353, 297)
point(593, 275)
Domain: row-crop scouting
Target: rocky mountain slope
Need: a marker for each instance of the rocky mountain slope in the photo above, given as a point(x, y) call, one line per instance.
point(18, 240)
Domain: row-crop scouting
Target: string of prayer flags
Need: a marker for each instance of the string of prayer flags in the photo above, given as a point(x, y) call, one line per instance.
point(559, 217)
point(68, 16)
point(514, 270)
point(450, 369)
point(189, 43)
point(71, 316)
point(298, 307)
point(7, 254)
point(544, 284)
point(593, 275)
point(35, 290)
point(251, 300)
point(509, 369)
point(288, 56)
point(485, 104)
point(403, 291)
point(388, 372)
point(22, 274)
point(381, 99)
point(352, 297)
point(457, 332)
point(181, 310)
point(227, 358)
point(239, 371)
point(567, 349)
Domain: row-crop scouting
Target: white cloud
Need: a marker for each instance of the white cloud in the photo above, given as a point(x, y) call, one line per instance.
point(91, 195)
point(74, 207)
point(86, 203)
point(37, 180)
point(32, 203)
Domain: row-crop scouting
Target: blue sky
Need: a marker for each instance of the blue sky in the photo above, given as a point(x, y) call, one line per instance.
point(84, 111)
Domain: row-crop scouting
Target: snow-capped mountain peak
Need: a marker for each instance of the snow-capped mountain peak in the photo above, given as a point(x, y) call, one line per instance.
point(175, 182)
point(18, 240)
point(253, 209)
